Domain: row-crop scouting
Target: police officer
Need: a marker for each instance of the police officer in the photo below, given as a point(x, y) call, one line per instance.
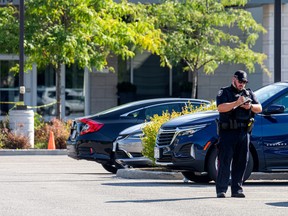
point(236, 106)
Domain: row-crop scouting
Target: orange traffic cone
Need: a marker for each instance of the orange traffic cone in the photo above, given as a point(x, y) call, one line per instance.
point(51, 143)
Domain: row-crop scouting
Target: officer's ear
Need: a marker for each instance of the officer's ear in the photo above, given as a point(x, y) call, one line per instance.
point(234, 81)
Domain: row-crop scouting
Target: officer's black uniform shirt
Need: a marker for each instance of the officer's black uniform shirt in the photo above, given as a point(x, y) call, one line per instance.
point(230, 94)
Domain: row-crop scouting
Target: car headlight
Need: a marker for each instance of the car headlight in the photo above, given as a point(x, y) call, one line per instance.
point(190, 130)
point(134, 136)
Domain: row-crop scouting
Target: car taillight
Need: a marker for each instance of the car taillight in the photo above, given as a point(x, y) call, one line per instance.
point(90, 126)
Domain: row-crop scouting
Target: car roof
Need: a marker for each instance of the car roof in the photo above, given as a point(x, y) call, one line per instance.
point(143, 103)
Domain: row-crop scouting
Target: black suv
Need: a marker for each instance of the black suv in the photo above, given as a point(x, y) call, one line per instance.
point(188, 143)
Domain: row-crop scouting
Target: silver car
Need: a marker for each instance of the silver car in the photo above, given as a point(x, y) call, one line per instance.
point(128, 148)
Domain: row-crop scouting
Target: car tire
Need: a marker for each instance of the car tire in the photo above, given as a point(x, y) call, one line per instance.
point(110, 168)
point(196, 178)
point(212, 165)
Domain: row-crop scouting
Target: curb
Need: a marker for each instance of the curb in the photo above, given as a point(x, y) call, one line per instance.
point(169, 175)
point(15, 152)
point(269, 176)
point(148, 174)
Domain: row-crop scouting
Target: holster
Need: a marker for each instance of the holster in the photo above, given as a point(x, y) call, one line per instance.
point(250, 125)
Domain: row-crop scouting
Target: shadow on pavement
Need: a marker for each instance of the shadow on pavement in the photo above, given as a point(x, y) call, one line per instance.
point(159, 200)
point(278, 204)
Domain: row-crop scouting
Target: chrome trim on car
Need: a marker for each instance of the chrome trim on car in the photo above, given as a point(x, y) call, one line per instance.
point(192, 151)
point(176, 132)
point(164, 163)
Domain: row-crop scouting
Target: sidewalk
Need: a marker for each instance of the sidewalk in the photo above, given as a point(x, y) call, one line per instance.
point(11, 152)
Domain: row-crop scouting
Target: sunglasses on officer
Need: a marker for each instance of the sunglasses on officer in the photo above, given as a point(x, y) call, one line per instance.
point(242, 82)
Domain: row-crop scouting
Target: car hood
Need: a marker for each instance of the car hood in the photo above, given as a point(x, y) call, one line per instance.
point(133, 129)
point(191, 119)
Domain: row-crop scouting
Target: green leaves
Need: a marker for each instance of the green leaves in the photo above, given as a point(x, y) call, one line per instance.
point(202, 33)
point(63, 32)
point(9, 30)
point(205, 34)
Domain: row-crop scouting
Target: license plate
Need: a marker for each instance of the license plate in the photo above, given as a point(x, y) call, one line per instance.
point(156, 153)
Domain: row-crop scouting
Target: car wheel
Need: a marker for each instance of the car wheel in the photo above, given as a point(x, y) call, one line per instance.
point(196, 178)
point(213, 165)
point(110, 168)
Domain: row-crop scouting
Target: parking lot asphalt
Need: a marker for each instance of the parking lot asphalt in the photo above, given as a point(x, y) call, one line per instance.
point(134, 173)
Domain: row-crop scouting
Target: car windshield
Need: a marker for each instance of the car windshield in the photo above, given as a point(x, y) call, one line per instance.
point(266, 92)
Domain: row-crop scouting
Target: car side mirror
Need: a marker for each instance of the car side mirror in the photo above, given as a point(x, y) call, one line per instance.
point(274, 109)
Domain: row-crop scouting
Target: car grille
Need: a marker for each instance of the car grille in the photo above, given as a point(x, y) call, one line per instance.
point(185, 151)
point(165, 137)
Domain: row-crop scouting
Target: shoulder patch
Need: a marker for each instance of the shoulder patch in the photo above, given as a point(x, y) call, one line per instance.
point(220, 92)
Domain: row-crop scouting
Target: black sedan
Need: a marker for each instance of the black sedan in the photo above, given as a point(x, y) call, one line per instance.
point(92, 137)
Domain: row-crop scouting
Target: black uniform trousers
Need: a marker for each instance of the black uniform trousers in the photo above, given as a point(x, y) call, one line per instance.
point(233, 146)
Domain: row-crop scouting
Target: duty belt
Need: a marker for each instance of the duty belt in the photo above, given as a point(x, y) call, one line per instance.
point(232, 125)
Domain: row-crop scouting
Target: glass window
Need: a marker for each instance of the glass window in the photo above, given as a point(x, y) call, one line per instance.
point(160, 109)
point(74, 93)
point(283, 101)
point(134, 114)
point(74, 96)
point(191, 106)
point(9, 86)
point(268, 91)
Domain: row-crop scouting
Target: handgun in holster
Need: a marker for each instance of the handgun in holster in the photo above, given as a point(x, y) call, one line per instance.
point(250, 125)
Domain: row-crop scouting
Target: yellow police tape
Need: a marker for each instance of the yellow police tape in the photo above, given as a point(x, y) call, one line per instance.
point(16, 103)
point(41, 106)
point(31, 107)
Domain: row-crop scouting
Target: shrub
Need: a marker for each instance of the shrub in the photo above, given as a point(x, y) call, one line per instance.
point(151, 129)
point(58, 127)
point(11, 140)
point(3, 138)
point(16, 141)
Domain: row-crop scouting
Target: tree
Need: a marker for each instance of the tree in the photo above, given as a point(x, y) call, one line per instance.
point(197, 33)
point(85, 32)
point(9, 30)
